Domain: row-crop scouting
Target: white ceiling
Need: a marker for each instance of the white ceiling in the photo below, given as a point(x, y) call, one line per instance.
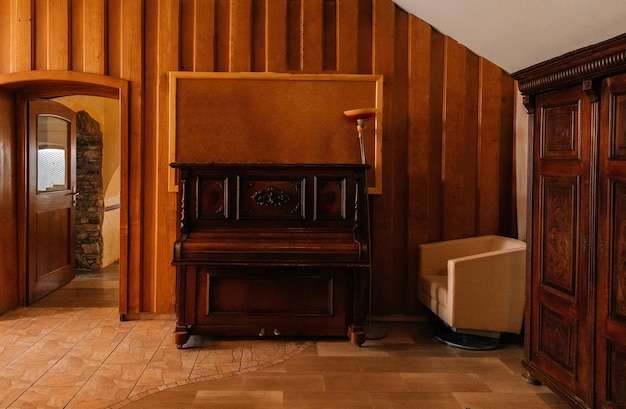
point(516, 34)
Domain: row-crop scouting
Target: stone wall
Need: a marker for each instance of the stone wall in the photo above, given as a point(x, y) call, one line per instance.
point(90, 201)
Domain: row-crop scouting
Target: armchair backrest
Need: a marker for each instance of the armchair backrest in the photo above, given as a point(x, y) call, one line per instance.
point(433, 257)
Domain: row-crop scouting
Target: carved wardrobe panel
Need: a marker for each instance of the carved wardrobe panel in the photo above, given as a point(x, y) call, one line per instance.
point(560, 230)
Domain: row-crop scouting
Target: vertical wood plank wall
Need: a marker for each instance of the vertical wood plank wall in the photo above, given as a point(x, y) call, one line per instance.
point(8, 208)
point(448, 133)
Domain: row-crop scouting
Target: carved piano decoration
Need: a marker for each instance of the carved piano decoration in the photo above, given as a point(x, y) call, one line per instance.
point(271, 249)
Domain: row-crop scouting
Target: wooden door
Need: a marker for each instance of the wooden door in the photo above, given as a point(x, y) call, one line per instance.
point(611, 299)
point(51, 194)
point(561, 344)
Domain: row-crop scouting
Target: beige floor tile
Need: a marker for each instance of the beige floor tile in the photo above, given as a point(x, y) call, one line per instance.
point(322, 364)
point(397, 364)
point(428, 400)
point(499, 400)
point(369, 382)
point(437, 382)
point(514, 383)
point(268, 381)
point(111, 383)
point(327, 400)
point(345, 348)
point(262, 399)
point(478, 365)
point(9, 395)
point(46, 397)
point(22, 375)
point(553, 401)
point(69, 371)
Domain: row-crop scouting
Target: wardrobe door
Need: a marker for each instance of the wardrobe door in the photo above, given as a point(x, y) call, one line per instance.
point(561, 340)
point(611, 298)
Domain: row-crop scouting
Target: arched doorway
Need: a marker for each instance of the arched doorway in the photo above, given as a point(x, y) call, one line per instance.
point(49, 84)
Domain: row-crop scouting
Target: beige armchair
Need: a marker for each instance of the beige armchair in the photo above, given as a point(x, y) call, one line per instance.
point(475, 285)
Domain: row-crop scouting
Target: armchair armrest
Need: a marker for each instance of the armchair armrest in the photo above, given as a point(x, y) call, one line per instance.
point(488, 287)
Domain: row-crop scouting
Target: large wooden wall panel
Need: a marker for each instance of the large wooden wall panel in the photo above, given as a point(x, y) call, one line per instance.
point(240, 46)
point(419, 183)
point(459, 141)
point(88, 36)
point(125, 60)
point(312, 35)
point(447, 136)
point(222, 35)
point(198, 35)
point(276, 35)
point(347, 36)
point(406, 281)
point(8, 208)
point(495, 117)
point(52, 34)
point(17, 40)
point(259, 29)
point(5, 32)
point(385, 293)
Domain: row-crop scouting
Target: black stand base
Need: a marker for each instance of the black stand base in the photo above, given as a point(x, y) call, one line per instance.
point(465, 341)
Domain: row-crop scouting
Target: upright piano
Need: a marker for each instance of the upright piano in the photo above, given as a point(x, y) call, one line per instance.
point(267, 249)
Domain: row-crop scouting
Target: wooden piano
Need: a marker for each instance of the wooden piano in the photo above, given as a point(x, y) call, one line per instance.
point(271, 249)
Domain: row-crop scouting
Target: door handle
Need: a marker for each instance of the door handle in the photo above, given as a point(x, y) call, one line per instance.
point(74, 192)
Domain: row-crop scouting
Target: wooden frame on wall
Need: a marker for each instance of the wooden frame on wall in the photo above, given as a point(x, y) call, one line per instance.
point(269, 117)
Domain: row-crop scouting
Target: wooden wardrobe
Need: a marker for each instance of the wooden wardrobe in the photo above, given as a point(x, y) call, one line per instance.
point(575, 324)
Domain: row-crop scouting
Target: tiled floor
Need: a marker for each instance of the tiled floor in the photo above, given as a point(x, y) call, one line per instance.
point(70, 350)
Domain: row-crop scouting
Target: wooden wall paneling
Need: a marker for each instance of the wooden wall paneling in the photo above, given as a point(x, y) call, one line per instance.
point(150, 210)
point(275, 35)
point(204, 51)
point(489, 155)
point(436, 98)
point(364, 42)
point(163, 20)
point(114, 45)
point(259, 17)
point(312, 36)
point(125, 60)
point(165, 278)
point(8, 204)
point(222, 35)
point(383, 61)
point(88, 36)
point(329, 35)
point(294, 40)
point(347, 37)
point(508, 176)
point(472, 142)
point(399, 167)
point(20, 36)
point(240, 52)
point(197, 46)
point(459, 144)
point(5, 33)
point(52, 34)
point(418, 150)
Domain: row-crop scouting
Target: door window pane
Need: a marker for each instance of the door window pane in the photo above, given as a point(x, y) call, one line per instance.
point(52, 153)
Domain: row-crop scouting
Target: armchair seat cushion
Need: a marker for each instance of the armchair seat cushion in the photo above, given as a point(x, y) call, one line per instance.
point(436, 286)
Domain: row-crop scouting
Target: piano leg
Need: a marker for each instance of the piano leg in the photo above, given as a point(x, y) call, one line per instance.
point(181, 336)
point(356, 331)
point(356, 334)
